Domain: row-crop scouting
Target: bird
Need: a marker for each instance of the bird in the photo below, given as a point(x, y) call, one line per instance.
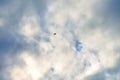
point(54, 33)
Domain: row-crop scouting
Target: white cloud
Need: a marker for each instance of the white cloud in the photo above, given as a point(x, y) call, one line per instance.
point(59, 52)
point(29, 26)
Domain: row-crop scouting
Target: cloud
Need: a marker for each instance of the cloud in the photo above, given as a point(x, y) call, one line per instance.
point(106, 74)
point(29, 26)
point(40, 55)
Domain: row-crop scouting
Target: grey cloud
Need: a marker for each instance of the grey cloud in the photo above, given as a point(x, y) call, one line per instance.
point(51, 76)
point(107, 16)
point(98, 76)
point(10, 41)
point(113, 72)
point(12, 12)
point(111, 9)
point(41, 9)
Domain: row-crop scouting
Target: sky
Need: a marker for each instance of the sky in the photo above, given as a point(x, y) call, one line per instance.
point(86, 45)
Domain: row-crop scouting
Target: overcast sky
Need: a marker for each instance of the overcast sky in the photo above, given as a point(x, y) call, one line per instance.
point(59, 39)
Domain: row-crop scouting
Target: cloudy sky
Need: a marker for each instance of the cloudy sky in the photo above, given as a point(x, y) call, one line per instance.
point(59, 39)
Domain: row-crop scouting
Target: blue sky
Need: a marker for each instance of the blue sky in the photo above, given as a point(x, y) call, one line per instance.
point(86, 45)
